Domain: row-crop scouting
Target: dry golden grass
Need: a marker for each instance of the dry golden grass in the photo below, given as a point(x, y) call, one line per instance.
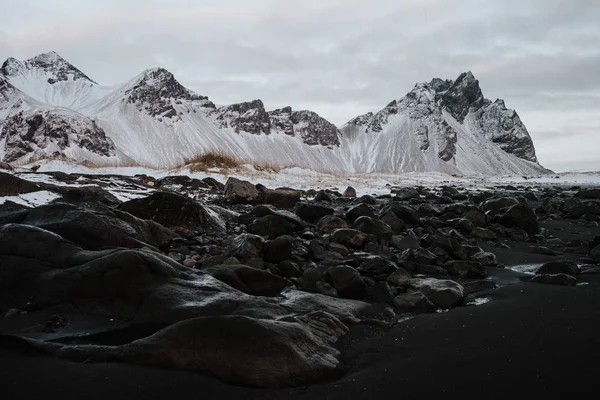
point(205, 161)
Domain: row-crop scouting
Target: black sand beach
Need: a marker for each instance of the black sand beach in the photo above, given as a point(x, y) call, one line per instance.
point(529, 339)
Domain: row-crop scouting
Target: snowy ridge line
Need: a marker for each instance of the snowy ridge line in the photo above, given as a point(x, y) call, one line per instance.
point(51, 110)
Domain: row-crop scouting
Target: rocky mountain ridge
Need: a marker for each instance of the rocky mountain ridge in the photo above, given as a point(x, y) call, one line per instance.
point(153, 120)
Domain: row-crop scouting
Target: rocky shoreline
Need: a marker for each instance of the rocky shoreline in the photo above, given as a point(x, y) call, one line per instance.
point(256, 286)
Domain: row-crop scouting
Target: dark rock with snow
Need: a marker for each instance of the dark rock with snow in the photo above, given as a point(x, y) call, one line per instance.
point(175, 211)
point(156, 92)
point(50, 134)
point(248, 117)
point(308, 125)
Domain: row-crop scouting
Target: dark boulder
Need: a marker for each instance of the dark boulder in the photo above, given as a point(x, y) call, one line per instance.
point(238, 191)
point(405, 213)
point(349, 192)
point(413, 302)
point(278, 249)
point(280, 197)
point(373, 226)
point(11, 185)
point(554, 279)
point(174, 211)
point(347, 281)
point(330, 223)
point(249, 280)
point(359, 210)
point(246, 246)
point(520, 216)
point(349, 237)
point(559, 267)
point(311, 212)
point(92, 229)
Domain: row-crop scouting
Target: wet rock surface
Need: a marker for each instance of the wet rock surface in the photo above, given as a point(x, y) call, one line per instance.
point(209, 266)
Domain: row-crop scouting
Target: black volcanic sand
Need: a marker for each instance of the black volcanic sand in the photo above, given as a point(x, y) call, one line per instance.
point(528, 339)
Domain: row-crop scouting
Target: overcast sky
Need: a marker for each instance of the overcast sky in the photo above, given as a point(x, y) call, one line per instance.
point(341, 58)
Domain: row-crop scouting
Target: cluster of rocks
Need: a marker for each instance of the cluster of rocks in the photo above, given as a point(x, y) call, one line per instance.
point(208, 264)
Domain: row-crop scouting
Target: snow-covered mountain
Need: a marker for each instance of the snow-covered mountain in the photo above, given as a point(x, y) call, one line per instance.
point(50, 109)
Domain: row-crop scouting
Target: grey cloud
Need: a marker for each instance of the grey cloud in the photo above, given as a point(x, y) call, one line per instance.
point(336, 57)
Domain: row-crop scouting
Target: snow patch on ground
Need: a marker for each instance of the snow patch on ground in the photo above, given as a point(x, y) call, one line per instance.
point(33, 199)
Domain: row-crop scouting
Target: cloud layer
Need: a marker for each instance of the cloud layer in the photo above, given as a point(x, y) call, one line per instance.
point(342, 58)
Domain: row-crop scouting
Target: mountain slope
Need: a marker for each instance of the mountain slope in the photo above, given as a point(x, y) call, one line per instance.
point(445, 126)
point(49, 108)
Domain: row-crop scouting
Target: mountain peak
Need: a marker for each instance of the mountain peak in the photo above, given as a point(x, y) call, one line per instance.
point(55, 67)
point(49, 57)
point(460, 96)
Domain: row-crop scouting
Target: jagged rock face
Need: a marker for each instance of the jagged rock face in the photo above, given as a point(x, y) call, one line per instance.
point(460, 96)
point(49, 134)
point(7, 91)
point(248, 117)
point(504, 127)
point(51, 62)
point(308, 125)
point(427, 105)
point(157, 92)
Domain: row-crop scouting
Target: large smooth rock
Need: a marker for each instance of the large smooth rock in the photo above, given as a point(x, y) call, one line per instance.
point(92, 229)
point(175, 211)
point(442, 293)
point(559, 267)
point(239, 350)
point(249, 280)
